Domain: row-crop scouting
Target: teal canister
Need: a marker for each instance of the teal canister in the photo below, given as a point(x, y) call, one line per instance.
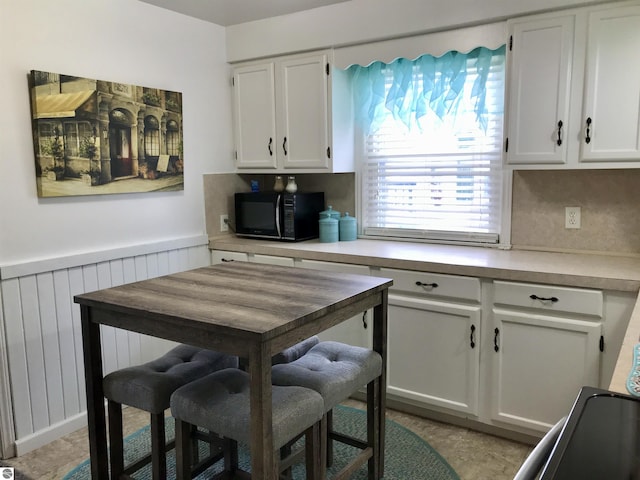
point(330, 213)
point(328, 225)
point(347, 227)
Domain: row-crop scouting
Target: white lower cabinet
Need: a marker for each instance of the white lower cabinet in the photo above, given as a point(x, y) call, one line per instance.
point(546, 345)
point(434, 327)
point(358, 329)
point(434, 353)
point(512, 355)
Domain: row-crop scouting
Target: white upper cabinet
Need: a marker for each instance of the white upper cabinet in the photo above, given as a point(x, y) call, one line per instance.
point(283, 116)
point(540, 90)
point(255, 116)
point(302, 112)
point(574, 89)
point(611, 113)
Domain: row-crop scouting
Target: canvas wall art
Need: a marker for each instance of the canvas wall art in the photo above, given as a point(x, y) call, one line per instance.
point(94, 137)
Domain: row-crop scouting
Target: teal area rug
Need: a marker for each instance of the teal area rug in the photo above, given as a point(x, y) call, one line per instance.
point(407, 456)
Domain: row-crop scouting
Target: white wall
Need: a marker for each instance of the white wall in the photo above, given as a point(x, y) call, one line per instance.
point(115, 40)
point(359, 21)
point(52, 248)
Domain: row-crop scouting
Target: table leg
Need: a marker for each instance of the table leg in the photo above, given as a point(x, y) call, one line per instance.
point(380, 346)
point(262, 450)
point(92, 355)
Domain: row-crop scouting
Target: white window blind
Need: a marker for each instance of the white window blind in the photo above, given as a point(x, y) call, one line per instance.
point(439, 178)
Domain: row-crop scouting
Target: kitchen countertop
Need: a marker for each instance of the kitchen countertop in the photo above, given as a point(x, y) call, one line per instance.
point(607, 272)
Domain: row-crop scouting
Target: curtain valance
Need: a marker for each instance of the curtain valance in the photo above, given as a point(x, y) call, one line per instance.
point(464, 39)
point(409, 89)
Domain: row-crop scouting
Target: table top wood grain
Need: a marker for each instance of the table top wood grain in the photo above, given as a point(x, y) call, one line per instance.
point(251, 301)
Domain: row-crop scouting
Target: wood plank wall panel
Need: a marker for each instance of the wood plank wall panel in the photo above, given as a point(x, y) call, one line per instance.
point(44, 341)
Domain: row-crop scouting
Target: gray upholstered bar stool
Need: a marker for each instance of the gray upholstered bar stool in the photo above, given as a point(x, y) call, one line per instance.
point(336, 371)
point(149, 387)
point(220, 403)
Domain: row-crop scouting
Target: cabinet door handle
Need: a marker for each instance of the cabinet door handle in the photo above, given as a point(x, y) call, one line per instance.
point(270, 148)
point(559, 142)
point(472, 341)
point(496, 333)
point(543, 299)
point(428, 285)
point(284, 145)
point(364, 319)
point(588, 136)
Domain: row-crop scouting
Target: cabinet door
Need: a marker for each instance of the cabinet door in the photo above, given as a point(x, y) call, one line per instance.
point(302, 102)
point(612, 86)
point(255, 116)
point(358, 329)
point(539, 91)
point(539, 366)
point(433, 353)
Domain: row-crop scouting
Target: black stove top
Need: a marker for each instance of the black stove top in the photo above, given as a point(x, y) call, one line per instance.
point(601, 439)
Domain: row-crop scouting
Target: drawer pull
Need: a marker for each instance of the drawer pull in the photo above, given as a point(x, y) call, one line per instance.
point(495, 339)
point(543, 299)
point(472, 336)
point(429, 285)
point(224, 260)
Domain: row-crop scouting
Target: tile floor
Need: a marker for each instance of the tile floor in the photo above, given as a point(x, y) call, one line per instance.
point(473, 455)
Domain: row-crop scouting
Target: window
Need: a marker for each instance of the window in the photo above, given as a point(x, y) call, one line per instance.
point(46, 137)
point(76, 135)
point(151, 137)
point(173, 138)
point(432, 160)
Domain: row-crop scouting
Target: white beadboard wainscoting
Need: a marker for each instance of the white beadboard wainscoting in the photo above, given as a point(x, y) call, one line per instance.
point(40, 325)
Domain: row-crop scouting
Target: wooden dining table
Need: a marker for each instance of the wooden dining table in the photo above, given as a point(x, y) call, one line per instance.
point(240, 308)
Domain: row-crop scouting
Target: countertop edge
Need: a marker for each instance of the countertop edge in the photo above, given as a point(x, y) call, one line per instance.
point(480, 262)
point(625, 357)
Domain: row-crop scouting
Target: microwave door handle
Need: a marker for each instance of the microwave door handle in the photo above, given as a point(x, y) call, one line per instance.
point(278, 216)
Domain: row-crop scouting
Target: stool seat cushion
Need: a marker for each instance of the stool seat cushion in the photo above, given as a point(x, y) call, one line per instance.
point(294, 352)
point(335, 370)
point(149, 386)
point(220, 403)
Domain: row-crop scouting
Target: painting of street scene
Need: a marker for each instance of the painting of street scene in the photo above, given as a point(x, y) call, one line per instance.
point(94, 137)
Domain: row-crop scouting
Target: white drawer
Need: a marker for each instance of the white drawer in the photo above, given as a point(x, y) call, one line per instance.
point(433, 284)
point(549, 297)
point(220, 256)
point(334, 267)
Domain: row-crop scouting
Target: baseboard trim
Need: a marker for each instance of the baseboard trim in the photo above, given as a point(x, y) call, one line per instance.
point(463, 422)
point(49, 434)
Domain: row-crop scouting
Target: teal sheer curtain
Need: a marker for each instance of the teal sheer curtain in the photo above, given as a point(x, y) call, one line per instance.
point(409, 89)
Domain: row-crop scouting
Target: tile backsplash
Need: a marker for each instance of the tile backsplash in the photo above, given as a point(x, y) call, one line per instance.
point(609, 201)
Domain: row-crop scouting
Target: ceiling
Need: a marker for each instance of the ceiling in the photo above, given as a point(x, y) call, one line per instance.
point(233, 12)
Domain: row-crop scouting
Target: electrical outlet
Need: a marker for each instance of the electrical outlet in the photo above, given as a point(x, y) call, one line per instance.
point(224, 223)
point(572, 217)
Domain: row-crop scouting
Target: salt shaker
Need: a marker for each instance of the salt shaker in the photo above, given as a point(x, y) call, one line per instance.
point(292, 186)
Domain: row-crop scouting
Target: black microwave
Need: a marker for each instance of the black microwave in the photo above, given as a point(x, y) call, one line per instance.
point(279, 216)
